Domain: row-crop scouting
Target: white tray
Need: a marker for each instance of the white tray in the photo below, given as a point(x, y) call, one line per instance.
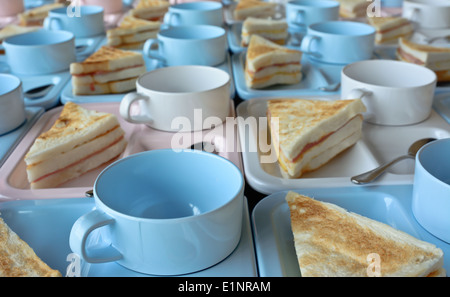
point(13, 178)
point(275, 251)
point(379, 144)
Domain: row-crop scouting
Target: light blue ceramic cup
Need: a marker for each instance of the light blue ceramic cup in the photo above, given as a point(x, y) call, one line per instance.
point(195, 13)
point(85, 22)
point(189, 45)
point(302, 13)
point(40, 52)
point(431, 188)
point(168, 212)
point(339, 42)
point(12, 106)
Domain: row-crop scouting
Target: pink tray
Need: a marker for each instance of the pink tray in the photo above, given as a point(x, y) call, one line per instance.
point(13, 179)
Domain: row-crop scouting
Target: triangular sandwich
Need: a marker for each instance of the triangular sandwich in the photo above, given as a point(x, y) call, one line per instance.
point(254, 8)
point(109, 70)
point(306, 134)
point(79, 141)
point(433, 57)
point(151, 10)
point(331, 241)
point(390, 29)
point(353, 8)
point(273, 30)
point(132, 33)
point(37, 15)
point(268, 63)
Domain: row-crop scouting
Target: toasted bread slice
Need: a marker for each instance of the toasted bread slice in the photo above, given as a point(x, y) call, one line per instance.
point(36, 16)
point(353, 8)
point(331, 241)
point(17, 258)
point(273, 30)
point(390, 29)
point(254, 8)
point(132, 33)
point(152, 10)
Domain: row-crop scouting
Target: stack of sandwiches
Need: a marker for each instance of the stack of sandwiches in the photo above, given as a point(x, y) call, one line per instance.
point(351, 9)
point(17, 258)
point(107, 71)
point(36, 16)
point(12, 30)
point(432, 57)
point(273, 30)
point(79, 141)
point(151, 10)
point(390, 29)
point(132, 33)
point(307, 134)
point(254, 8)
point(331, 241)
point(268, 63)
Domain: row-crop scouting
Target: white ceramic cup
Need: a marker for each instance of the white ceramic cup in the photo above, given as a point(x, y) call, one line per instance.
point(12, 106)
point(395, 93)
point(9, 8)
point(88, 23)
point(180, 98)
point(40, 52)
point(189, 45)
point(195, 13)
point(431, 14)
point(109, 6)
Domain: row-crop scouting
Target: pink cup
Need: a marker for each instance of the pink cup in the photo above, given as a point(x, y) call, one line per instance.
point(11, 7)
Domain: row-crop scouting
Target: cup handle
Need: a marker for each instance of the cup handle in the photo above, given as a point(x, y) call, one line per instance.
point(299, 16)
point(362, 94)
point(147, 50)
point(411, 13)
point(306, 44)
point(50, 21)
point(79, 235)
point(125, 108)
point(172, 18)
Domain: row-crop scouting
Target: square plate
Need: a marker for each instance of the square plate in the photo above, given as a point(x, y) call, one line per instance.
point(274, 241)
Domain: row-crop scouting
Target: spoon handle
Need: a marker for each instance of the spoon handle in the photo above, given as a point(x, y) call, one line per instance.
point(371, 175)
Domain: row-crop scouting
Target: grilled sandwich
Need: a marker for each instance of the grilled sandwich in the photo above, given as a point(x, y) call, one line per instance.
point(307, 134)
point(107, 71)
point(353, 8)
point(331, 241)
point(273, 30)
point(254, 8)
point(151, 10)
point(36, 16)
point(268, 63)
point(132, 33)
point(79, 141)
point(390, 29)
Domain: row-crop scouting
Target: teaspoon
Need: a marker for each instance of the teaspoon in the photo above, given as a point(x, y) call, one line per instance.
point(371, 175)
point(38, 92)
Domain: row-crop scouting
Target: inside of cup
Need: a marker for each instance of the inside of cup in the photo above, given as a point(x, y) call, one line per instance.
point(314, 3)
point(184, 79)
point(343, 28)
point(8, 83)
point(435, 159)
point(168, 184)
point(194, 32)
point(42, 37)
point(199, 6)
point(389, 73)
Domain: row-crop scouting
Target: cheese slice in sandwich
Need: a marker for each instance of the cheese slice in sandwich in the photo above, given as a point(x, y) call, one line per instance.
point(331, 241)
point(36, 16)
point(353, 8)
point(18, 259)
point(268, 63)
point(273, 30)
point(80, 140)
point(307, 134)
point(132, 33)
point(109, 70)
point(151, 10)
point(432, 57)
point(390, 29)
point(254, 8)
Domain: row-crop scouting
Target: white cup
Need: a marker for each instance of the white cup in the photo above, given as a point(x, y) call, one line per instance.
point(180, 98)
point(88, 23)
point(395, 93)
point(9, 8)
point(12, 106)
point(110, 6)
point(432, 14)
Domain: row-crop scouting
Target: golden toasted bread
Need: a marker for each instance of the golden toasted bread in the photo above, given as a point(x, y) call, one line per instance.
point(330, 241)
point(254, 8)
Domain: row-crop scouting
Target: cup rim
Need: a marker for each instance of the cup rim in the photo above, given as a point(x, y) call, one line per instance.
point(321, 3)
point(15, 88)
point(86, 10)
point(12, 41)
point(219, 30)
point(237, 194)
point(202, 6)
point(355, 78)
point(314, 27)
point(420, 162)
point(188, 67)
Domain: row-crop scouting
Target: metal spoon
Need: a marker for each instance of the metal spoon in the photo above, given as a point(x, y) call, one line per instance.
point(371, 175)
point(38, 92)
point(330, 87)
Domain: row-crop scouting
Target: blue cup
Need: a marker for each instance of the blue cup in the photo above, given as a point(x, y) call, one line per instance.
point(302, 13)
point(431, 188)
point(168, 212)
point(195, 13)
point(189, 45)
point(339, 42)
